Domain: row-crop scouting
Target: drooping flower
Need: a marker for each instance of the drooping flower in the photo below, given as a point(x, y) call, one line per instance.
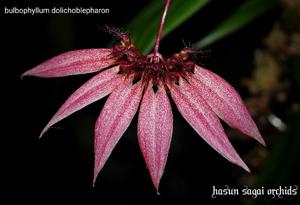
point(134, 80)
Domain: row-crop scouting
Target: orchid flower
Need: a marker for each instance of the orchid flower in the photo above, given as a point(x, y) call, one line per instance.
point(135, 81)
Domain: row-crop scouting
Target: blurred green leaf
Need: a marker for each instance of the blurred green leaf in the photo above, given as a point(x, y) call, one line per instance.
point(247, 12)
point(144, 26)
point(281, 166)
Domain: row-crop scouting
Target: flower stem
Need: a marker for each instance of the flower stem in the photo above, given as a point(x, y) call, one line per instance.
point(162, 22)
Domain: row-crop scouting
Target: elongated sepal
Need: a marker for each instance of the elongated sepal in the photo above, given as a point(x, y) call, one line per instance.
point(204, 121)
point(114, 119)
point(93, 90)
point(224, 101)
point(155, 125)
point(73, 63)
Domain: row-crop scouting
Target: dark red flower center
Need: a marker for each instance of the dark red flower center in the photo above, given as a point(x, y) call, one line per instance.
point(152, 67)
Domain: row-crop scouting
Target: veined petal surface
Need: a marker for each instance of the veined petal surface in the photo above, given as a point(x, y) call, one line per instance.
point(155, 126)
point(225, 101)
point(96, 88)
point(114, 119)
point(204, 121)
point(73, 63)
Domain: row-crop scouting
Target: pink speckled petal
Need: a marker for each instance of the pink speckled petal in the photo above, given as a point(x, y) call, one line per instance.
point(204, 121)
point(155, 126)
point(73, 63)
point(114, 119)
point(93, 90)
point(224, 101)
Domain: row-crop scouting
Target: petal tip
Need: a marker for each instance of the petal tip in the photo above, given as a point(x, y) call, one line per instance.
point(156, 185)
point(257, 136)
point(242, 164)
point(94, 182)
point(30, 72)
point(156, 181)
point(44, 131)
point(247, 169)
point(42, 134)
point(262, 142)
point(22, 76)
point(26, 73)
point(97, 170)
point(95, 176)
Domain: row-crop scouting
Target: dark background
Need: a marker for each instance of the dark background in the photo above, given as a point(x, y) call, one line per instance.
point(59, 167)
